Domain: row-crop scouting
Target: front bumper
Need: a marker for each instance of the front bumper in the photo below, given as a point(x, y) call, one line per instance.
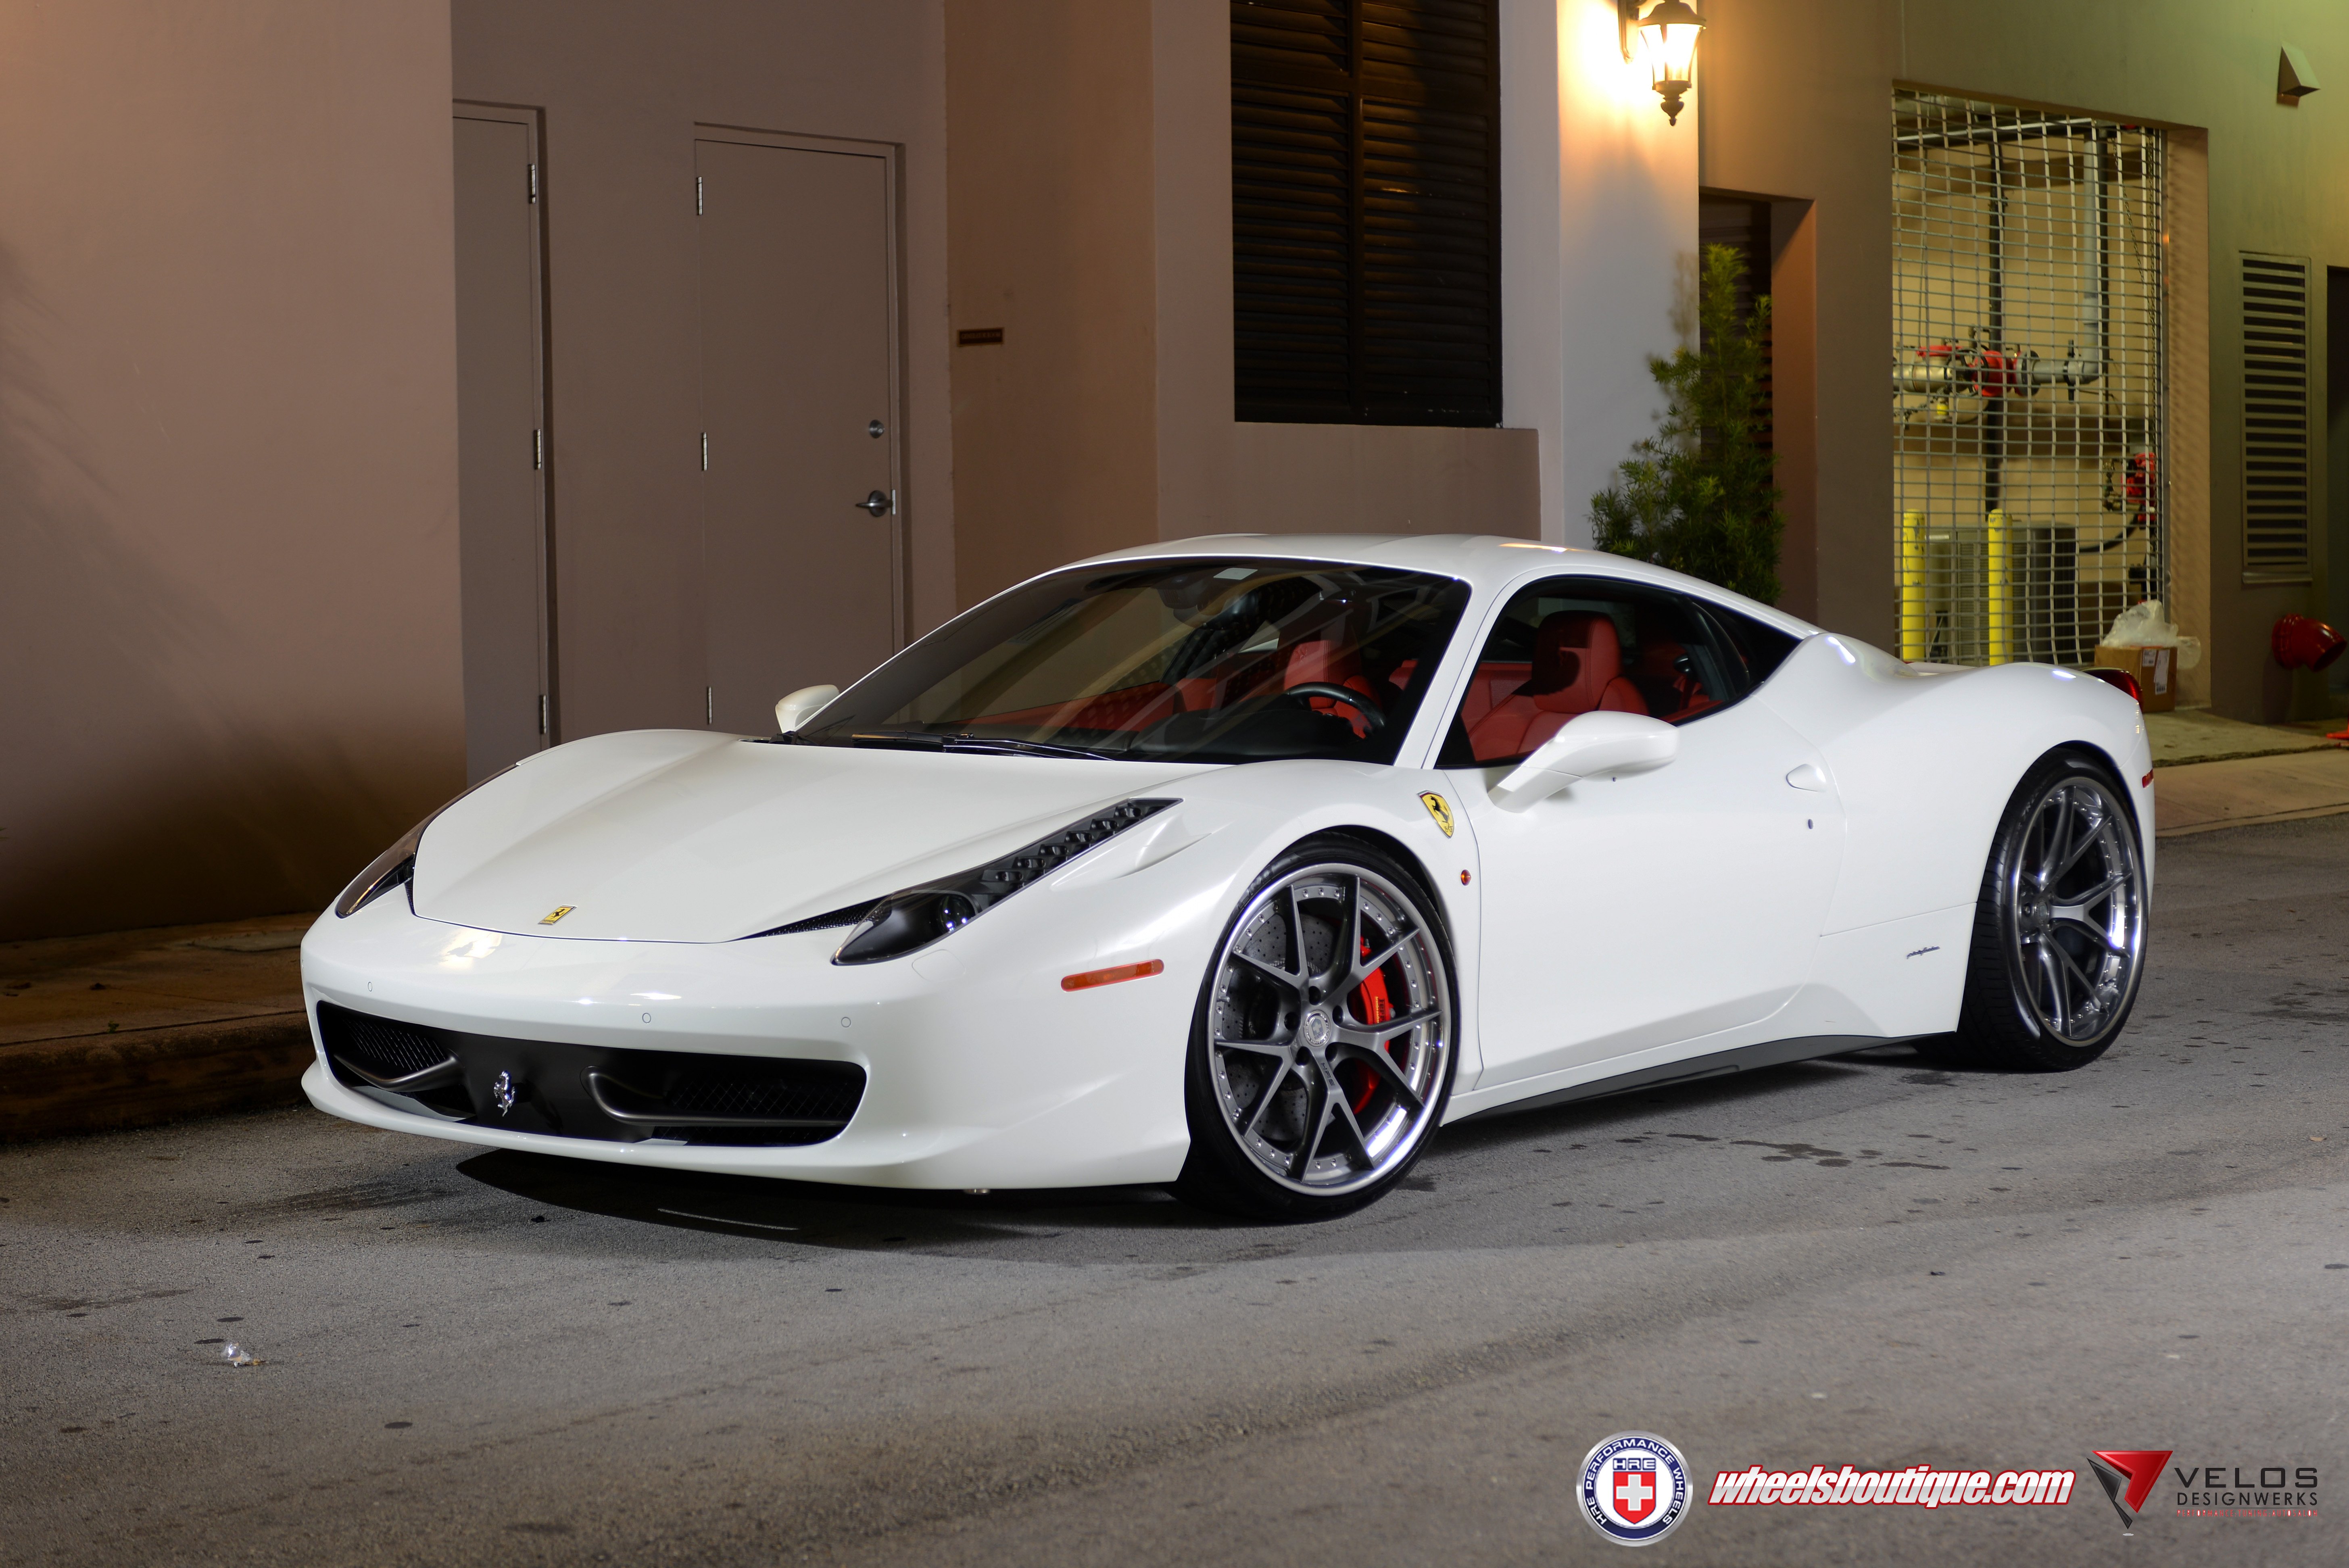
point(980, 1071)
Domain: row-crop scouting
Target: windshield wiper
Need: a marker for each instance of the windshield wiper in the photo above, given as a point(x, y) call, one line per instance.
point(1023, 747)
point(930, 740)
point(911, 739)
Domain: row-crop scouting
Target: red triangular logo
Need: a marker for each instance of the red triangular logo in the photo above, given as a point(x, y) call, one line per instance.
point(2128, 1476)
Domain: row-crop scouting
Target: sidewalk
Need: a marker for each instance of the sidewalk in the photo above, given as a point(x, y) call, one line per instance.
point(2242, 791)
point(2213, 772)
point(2197, 734)
point(135, 1028)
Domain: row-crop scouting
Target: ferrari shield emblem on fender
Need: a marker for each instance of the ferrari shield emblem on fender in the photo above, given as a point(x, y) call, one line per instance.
point(1439, 809)
point(567, 908)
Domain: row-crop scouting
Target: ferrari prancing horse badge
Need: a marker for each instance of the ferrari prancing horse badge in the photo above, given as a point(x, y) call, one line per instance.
point(1437, 808)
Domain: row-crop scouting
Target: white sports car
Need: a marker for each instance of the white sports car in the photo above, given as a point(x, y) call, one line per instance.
point(1241, 863)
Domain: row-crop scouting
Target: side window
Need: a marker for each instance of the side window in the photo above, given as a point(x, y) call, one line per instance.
point(1763, 648)
point(1572, 646)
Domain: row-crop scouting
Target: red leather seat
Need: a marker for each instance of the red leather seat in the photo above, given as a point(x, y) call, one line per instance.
point(1578, 668)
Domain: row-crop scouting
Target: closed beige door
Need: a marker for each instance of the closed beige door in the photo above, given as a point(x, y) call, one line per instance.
point(800, 521)
point(500, 493)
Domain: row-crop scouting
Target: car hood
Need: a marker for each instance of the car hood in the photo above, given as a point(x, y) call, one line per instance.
point(683, 836)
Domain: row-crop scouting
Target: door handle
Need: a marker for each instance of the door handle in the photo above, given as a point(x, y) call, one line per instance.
point(1807, 777)
point(878, 503)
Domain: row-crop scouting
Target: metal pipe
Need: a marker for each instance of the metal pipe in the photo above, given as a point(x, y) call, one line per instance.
point(1916, 610)
point(2000, 622)
point(1994, 408)
point(2099, 222)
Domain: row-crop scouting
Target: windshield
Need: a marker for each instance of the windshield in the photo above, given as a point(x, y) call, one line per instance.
point(1190, 661)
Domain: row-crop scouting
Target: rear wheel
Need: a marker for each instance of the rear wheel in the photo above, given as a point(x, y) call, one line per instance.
point(2059, 931)
point(1323, 1047)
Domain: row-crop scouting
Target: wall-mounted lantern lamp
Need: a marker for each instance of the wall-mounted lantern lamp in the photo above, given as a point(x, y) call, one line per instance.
point(1668, 35)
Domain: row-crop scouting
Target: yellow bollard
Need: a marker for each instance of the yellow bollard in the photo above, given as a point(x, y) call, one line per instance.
point(2002, 634)
point(1916, 613)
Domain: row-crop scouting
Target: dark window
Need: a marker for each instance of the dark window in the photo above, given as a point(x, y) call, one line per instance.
point(1743, 226)
point(1366, 211)
point(1576, 644)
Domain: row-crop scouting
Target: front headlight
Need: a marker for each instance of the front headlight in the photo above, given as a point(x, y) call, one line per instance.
point(909, 921)
point(396, 865)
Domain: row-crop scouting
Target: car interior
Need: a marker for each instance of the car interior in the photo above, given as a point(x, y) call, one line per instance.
point(1207, 661)
point(1572, 646)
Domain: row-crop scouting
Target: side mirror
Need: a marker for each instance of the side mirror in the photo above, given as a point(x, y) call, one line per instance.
point(802, 706)
point(1589, 743)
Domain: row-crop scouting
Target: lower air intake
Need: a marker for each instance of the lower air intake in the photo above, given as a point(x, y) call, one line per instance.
point(593, 1091)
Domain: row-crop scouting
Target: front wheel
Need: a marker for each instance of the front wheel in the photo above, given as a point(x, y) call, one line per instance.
point(1323, 1047)
point(2059, 931)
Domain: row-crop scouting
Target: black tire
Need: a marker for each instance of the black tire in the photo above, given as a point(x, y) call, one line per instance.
point(2060, 926)
point(1294, 1119)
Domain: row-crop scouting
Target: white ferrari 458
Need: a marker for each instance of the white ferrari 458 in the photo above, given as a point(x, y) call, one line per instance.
point(1241, 863)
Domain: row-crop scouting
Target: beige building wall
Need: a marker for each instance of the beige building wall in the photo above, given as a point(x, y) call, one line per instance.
point(623, 86)
point(228, 459)
point(1049, 202)
point(1797, 108)
point(1090, 200)
point(1797, 96)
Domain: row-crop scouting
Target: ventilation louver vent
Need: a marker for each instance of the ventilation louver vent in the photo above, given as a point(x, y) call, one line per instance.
point(2275, 419)
point(1366, 211)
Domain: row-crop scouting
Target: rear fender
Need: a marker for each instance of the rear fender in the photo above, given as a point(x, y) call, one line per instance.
point(1925, 762)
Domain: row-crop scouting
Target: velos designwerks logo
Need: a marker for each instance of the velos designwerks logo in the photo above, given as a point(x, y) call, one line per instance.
point(2205, 1491)
point(2128, 1476)
point(1635, 1488)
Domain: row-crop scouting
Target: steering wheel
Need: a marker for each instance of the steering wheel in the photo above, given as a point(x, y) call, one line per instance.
point(1370, 711)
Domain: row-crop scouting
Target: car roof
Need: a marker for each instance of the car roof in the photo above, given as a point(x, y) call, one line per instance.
point(1488, 561)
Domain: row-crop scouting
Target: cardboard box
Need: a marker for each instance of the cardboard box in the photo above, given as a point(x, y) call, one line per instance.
point(2156, 673)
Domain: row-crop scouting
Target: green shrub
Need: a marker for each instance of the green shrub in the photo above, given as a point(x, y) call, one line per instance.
point(1697, 496)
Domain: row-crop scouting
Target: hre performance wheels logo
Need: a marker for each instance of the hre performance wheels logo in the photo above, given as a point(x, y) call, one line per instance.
point(1635, 1488)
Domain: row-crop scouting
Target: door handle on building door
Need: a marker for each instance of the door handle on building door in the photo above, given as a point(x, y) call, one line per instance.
point(878, 503)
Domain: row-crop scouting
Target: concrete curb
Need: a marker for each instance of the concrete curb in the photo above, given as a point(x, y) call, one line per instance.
point(96, 1083)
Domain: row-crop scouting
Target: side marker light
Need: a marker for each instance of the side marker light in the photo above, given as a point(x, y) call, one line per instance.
point(2148, 778)
point(1111, 975)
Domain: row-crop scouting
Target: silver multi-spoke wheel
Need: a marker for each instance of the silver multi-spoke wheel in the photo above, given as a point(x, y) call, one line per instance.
point(1328, 1030)
point(2077, 893)
point(2060, 930)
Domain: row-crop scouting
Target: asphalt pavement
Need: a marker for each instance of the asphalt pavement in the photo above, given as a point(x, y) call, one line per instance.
point(467, 1357)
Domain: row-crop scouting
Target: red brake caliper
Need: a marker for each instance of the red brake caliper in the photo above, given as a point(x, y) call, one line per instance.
point(1371, 1002)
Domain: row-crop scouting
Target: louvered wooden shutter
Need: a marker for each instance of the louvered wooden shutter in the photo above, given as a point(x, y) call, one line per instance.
point(2275, 419)
point(1366, 211)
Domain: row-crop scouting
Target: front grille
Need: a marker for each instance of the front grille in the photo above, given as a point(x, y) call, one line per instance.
point(594, 1091)
point(713, 1094)
point(385, 1048)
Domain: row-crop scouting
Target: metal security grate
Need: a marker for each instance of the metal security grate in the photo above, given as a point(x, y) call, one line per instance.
point(2275, 419)
point(2028, 378)
point(1366, 211)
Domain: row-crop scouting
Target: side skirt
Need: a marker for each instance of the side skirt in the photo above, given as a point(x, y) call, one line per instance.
point(1720, 1063)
